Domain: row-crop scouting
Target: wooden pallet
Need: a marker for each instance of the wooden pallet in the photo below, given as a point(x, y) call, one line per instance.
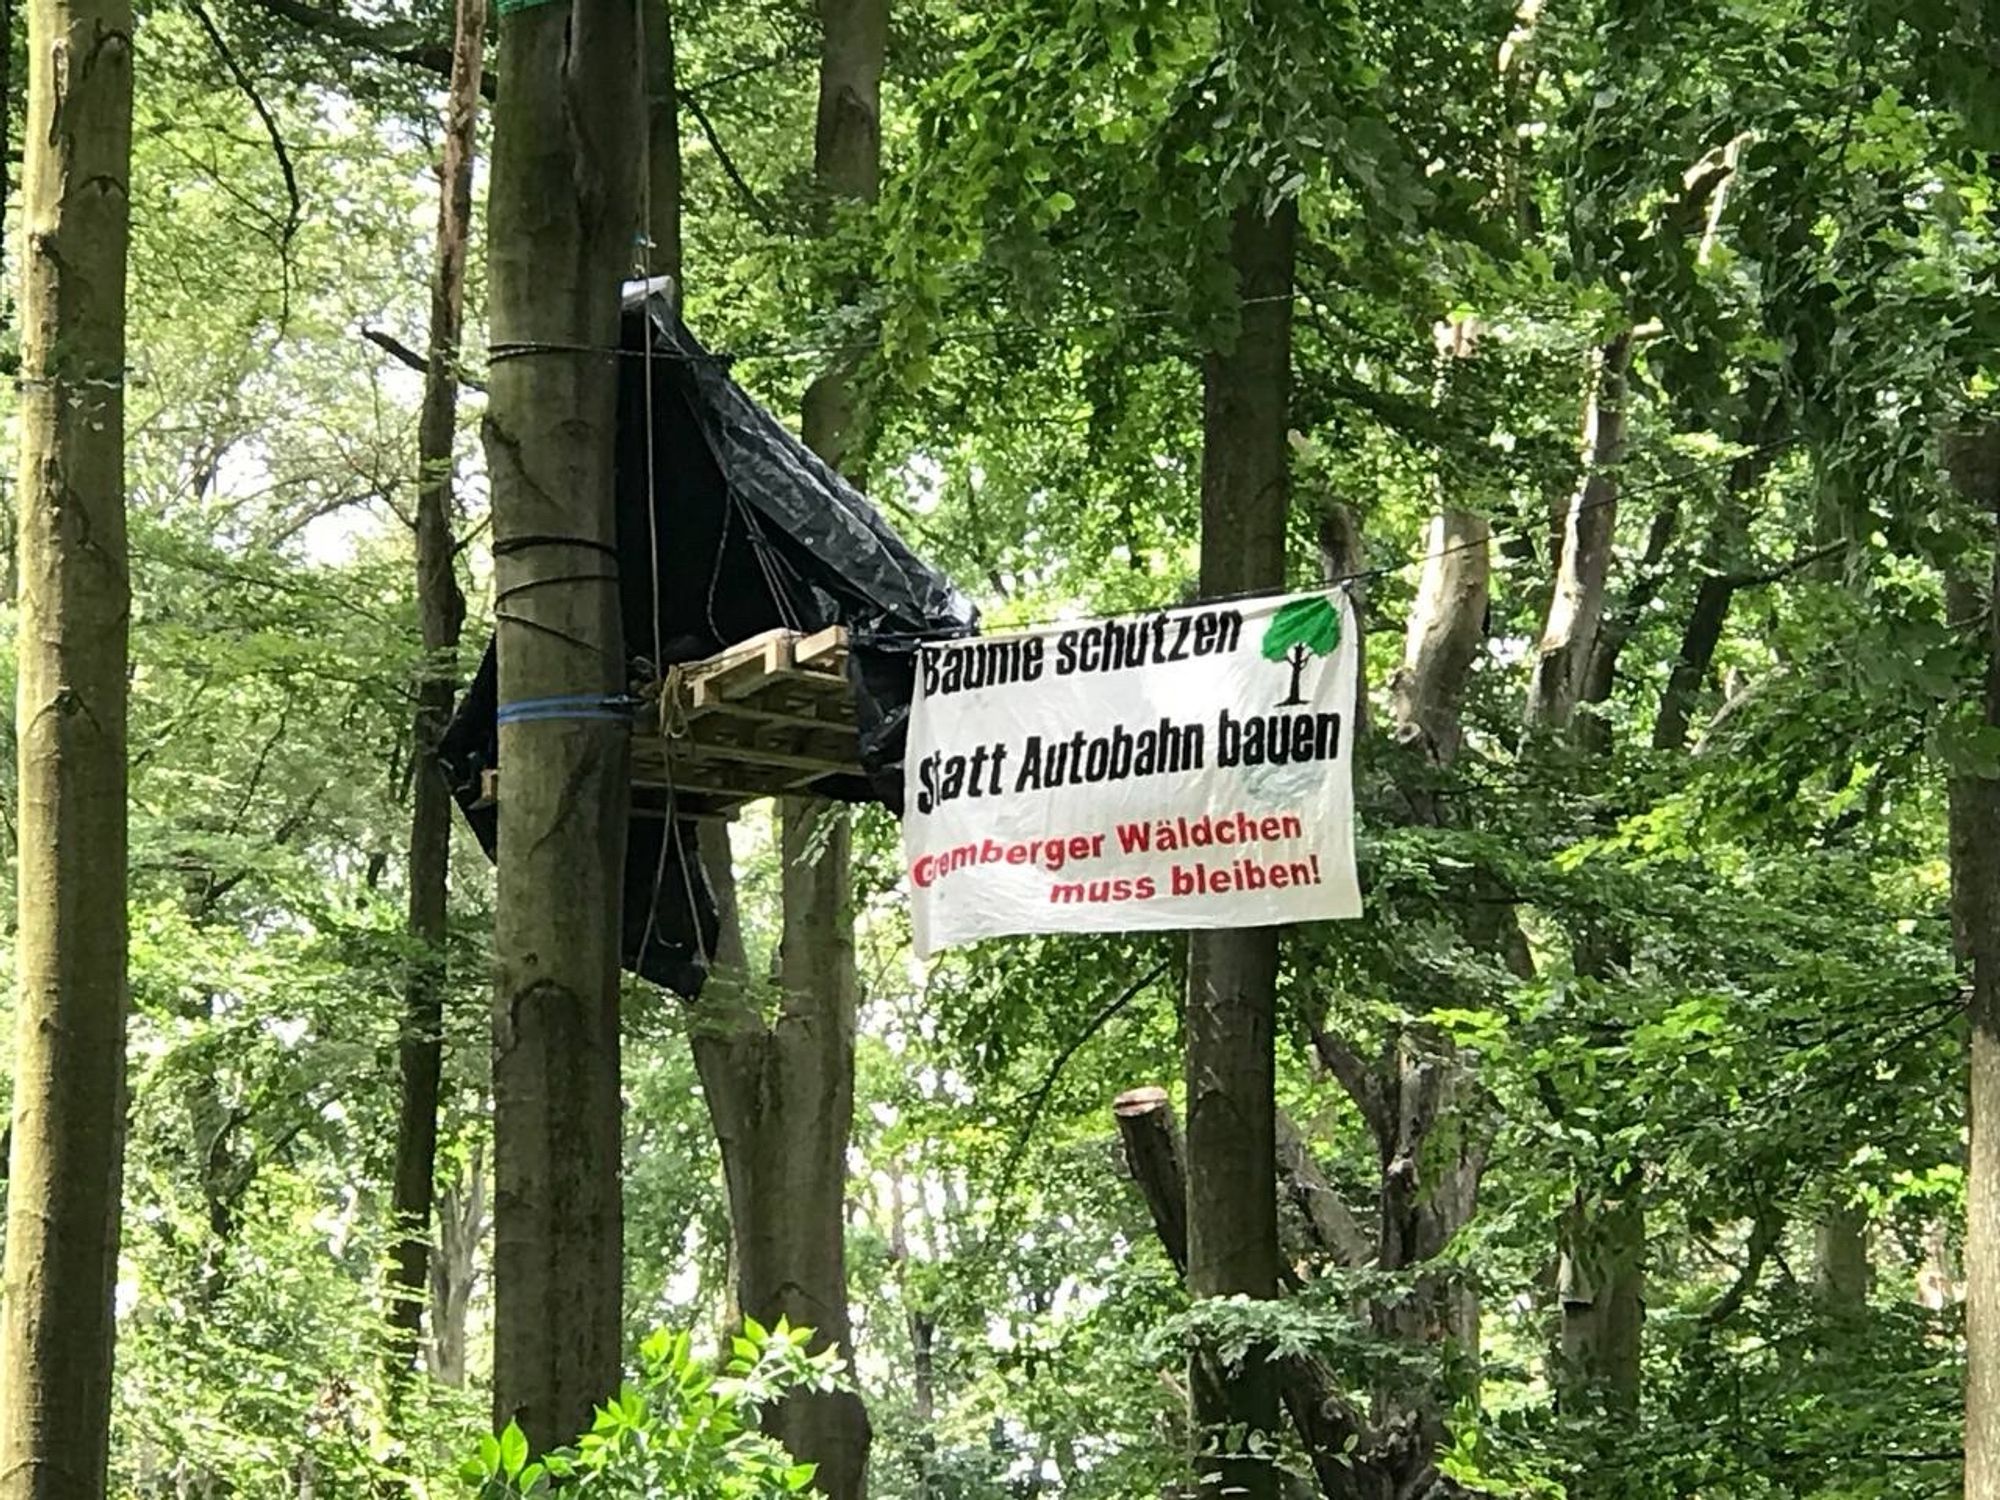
point(768, 717)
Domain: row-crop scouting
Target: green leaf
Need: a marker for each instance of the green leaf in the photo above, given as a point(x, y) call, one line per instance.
point(1312, 623)
point(513, 1450)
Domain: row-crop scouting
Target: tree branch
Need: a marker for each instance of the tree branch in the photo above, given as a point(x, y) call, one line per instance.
point(1040, 1098)
point(1354, 1075)
point(394, 347)
point(295, 209)
point(395, 43)
point(751, 202)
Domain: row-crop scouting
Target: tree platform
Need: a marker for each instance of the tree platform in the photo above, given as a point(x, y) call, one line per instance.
point(768, 717)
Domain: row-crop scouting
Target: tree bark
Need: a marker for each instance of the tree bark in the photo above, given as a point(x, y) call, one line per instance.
point(781, 1097)
point(1576, 608)
point(1601, 1288)
point(64, 1167)
point(663, 147)
point(1232, 1206)
point(454, 1268)
point(1974, 460)
point(847, 161)
point(10, 521)
point(1717, 589)
point(563, 203)
point(1841, 1272)
point(1308, 1390)
point(1426, 1192)
point(440, 613)
point(1446, 629)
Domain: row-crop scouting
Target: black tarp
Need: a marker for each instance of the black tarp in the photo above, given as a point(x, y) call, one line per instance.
point(753, 533)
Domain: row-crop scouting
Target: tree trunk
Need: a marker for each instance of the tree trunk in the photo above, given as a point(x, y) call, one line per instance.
point(440, 611)
point(663, 147)
point(1717, 590)
point(1447, 627)
point(1975, 871)
point(1308, 1390)
point(563, 204)
point(847, 160)
point(1428, 1194)
point(1601, 1288)
point(922, 1325)
point(454, 1269)
point(1232, 1205)
point(1841, 1272)
point(1576, 608)
point(10, 571)
point(781, 1097)
point(64, 1167)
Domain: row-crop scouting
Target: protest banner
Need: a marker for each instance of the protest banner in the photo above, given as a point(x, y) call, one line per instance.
point(1177, 769)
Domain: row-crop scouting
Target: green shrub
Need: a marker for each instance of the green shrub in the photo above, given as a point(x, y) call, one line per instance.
point(686, 1430)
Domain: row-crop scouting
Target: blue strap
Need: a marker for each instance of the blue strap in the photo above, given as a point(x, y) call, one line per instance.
point(574, 706)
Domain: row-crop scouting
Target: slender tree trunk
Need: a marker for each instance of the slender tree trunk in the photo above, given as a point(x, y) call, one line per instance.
point(797, 1266)
point(10, 571)
point(1975, 871)
point(564, 201)
point(922, 1326)
point(663, 145)
point(847, 160)
point(1601, 1287)
point(1842, 1275)
point(64, 1167)
point(453, 1270)
point(1576, 608)
point(440, 611)
point(1232, 1204)
point(1716, 591)
point(1601, 1237)
point(781, 1094)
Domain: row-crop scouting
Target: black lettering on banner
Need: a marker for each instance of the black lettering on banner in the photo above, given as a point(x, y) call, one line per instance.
point(1276, 739)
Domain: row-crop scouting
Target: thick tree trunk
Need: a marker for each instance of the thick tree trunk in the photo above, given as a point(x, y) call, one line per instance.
point(1975, 873)
point(1576, 607)
point(440, 612)
point(1446, 629)
point(64, 1165)
point(564, 201)
point(1232, 1205)
point(663, 146)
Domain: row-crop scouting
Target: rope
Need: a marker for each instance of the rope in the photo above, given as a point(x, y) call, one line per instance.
point(566, 706)
point(506, 546)
point(669, 707)
point(1494, 537)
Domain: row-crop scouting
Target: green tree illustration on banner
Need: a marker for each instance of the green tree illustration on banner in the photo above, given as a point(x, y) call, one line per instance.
point(1298, 632)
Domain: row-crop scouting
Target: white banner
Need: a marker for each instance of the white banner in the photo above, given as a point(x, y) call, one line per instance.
point(1190, 768)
